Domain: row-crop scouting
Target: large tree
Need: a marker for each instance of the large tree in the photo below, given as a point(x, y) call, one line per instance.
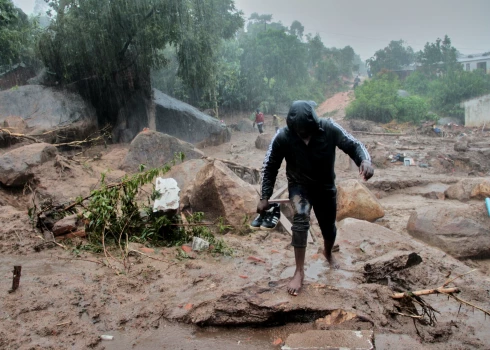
point(107, 47)
point(439, 56)
point(393, 57)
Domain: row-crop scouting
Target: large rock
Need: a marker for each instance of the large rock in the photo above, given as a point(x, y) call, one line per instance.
point(187, 123)
point(243, 125)
point(462, 231)
point(154, 149)
point(466, 189)
point(185, 173)
point(218, 191)
point(354, 200)
point(263, 141)
point(15, 124)
point(47, 108)
point(65, 225)
point(16, 166)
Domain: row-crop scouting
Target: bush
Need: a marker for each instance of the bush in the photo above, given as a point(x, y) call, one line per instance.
point(412, 109)
point(417, 83)
point(448, 91)
point(375, 100)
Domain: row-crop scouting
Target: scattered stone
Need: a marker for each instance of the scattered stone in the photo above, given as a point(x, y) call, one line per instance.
point(435, 195)
point(188, 306)
point(255, 259)
point(187, 123)
point(15, 124)
point(169, 195)
point(147, 250)
point(336, 317)
point(461, 146)
point(263, 141)
point(330, 339)
point(354, 200)
point(186, 248)
point(463, 189)
point(243, 276)
point(155, 149)
point(482, 190)
point(273, 251)
point(16, 166)
point(199, 244)
point(65, 225)
point(218, 192)
point(277, 341)
point(378, 269)
point(460, 231)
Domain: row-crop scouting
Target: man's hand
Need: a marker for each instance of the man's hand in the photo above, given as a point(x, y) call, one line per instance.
point(366, 170)
point(262, 206)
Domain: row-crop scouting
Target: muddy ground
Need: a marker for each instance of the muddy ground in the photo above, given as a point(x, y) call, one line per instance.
point(68, 300)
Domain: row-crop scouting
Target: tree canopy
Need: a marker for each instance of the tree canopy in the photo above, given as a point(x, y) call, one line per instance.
point(393, 57)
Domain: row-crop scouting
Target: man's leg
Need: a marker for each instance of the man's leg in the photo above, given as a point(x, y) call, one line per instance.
point(301, 224)
point(259, 126)
point(325, 207)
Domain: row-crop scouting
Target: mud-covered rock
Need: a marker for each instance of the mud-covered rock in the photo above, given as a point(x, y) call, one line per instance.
point(46, 108)
point(65, 225)
point(217, 191)
point(461, 146)
point(16, 166)
point(461, 231)
point(465, 189)
point(379, 268)
point(187, 123)
point(263, 141)
point(154, 149)
point(354, 200)
point(15, 124)
point(243, 125)
point(481, 190)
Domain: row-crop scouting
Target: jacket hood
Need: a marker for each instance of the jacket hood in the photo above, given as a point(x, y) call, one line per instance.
point(302, 116)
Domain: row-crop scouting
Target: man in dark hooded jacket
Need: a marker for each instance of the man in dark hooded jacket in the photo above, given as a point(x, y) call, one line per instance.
point(308, 144)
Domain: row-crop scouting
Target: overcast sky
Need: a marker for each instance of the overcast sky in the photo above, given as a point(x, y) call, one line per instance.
point(369, 25)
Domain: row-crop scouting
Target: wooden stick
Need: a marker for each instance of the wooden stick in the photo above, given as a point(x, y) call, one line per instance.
point(426, 292)
point(455, 278)
point(165, 261)
point(16, 278)
point(377, 133)
point(279, 200)
point(19, 135)
point(461, 301)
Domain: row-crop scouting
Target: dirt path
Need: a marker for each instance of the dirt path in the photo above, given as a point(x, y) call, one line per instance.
point(334, 107)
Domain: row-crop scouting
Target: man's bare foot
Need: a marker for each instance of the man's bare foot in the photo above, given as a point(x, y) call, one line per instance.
point(331, 260)
point(296, 282)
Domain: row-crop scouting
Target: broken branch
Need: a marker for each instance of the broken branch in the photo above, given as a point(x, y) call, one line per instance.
point(426, 292)
point(459, 276)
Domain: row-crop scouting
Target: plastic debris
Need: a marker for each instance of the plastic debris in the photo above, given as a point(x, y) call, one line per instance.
point(169, 199)
point(107, 337)
point(199, 244)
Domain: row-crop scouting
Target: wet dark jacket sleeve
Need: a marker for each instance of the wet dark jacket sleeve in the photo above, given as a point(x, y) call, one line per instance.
point(272, 162)
point(350, 145)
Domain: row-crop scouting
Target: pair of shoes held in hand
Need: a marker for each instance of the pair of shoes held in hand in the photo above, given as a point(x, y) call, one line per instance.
point(267, 220)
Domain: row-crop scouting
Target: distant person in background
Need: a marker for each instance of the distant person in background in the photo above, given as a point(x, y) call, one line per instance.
point(357, 80)
point(259, 120)
point(275, 121)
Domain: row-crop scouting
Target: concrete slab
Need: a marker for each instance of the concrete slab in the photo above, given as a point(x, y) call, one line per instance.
point(331, 340)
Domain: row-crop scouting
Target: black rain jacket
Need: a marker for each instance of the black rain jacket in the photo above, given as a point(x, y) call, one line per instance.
point(312, 164)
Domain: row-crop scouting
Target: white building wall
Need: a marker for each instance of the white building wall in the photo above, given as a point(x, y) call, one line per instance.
point(473, 65)
point(477, 111)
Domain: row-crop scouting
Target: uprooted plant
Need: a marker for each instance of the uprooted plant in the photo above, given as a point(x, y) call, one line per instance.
point(115, 215)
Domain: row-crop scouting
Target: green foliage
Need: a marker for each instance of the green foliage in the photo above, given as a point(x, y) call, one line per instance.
point(448, 91)
point(18, 35)
point(438, 57)
point(417, 83)
point(376, 100)
point(412, 109)
point(393, 57)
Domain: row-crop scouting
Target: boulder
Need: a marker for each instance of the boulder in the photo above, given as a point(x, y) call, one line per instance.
point(187, 123)
point(219, 192)
point(16, 166)
point(154, 149)
point(354, 200)
point(243, 125)
point(65, 225)
point(185, 173)
point(462, 231)
point(46, 108)
point(465, 189)
point(263, 141)
point(169, 200)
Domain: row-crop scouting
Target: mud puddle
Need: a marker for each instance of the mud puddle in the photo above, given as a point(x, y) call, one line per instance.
point(188, 337)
